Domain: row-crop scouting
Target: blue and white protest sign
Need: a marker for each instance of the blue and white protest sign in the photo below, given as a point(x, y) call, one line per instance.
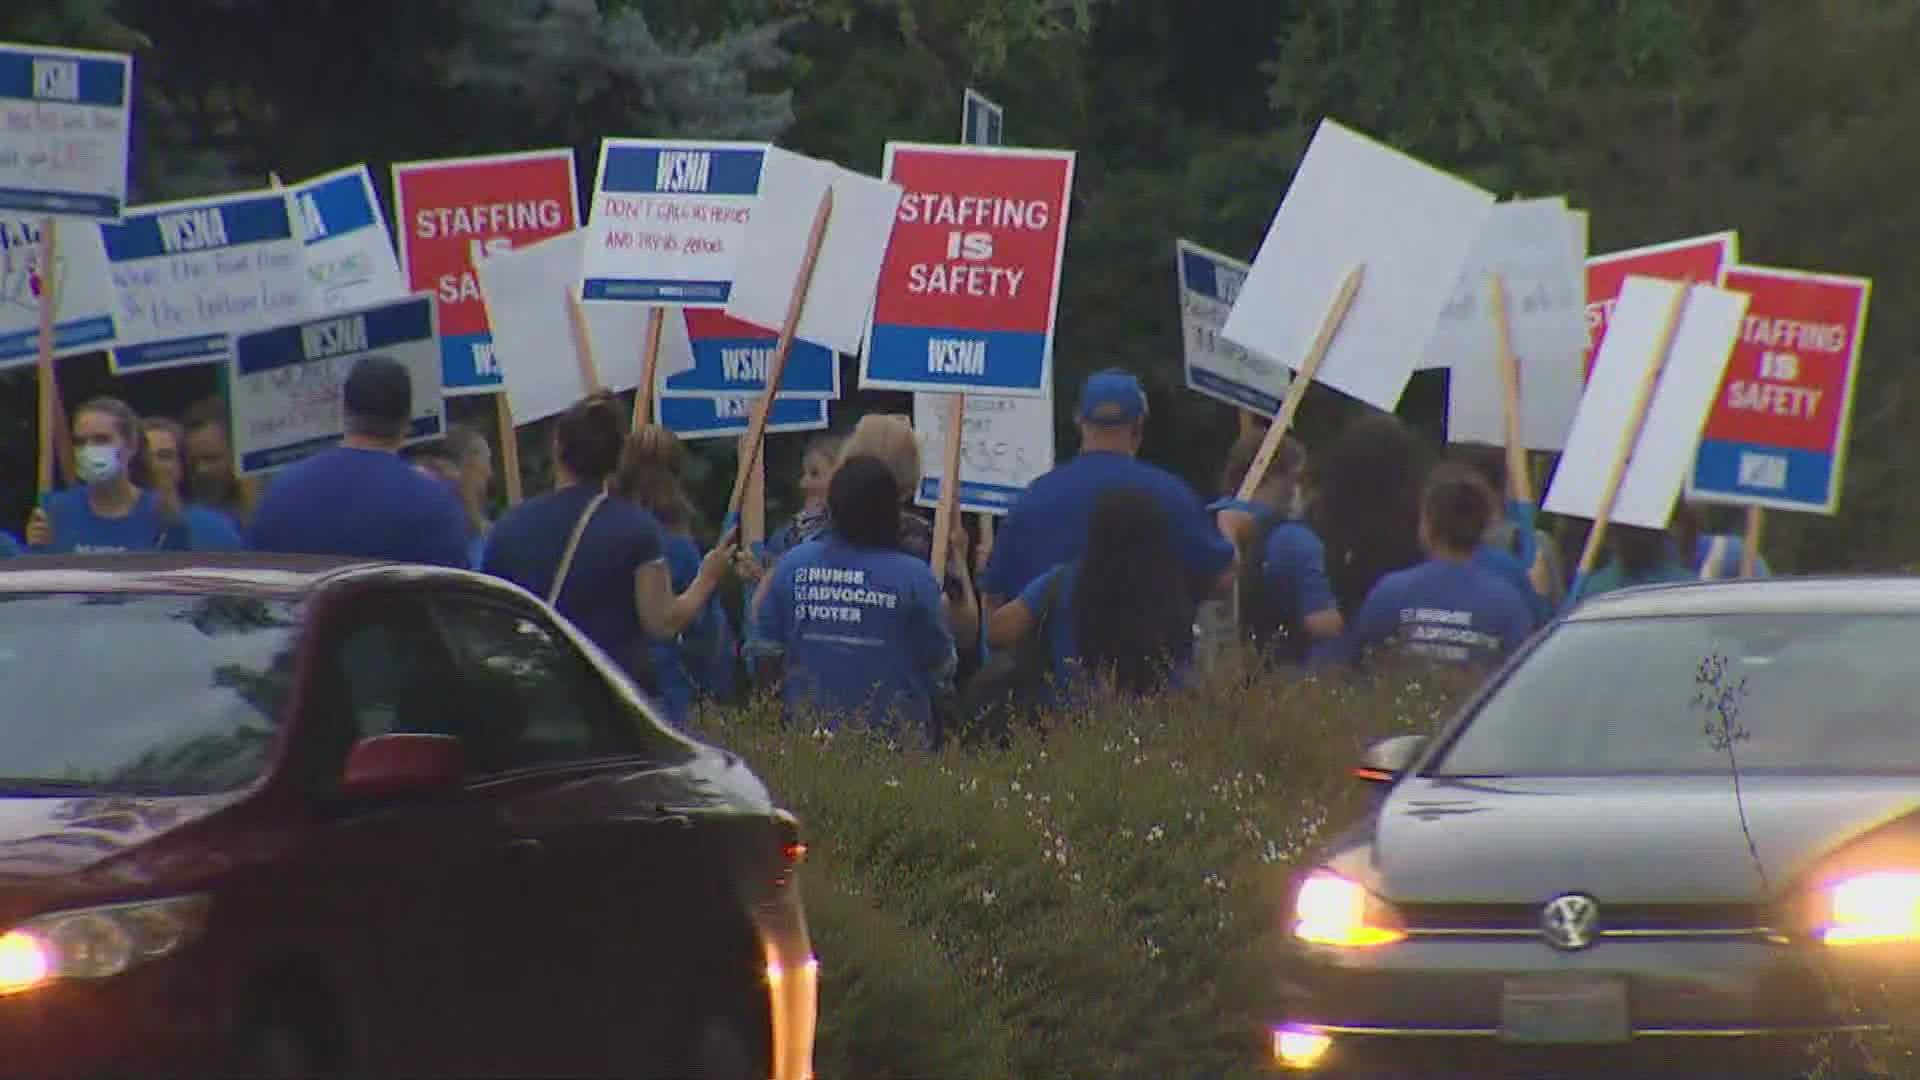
point(667, 220)
point(82, 291)
point(287, 382)
point(1006, 443)
point(1209, 284)
point(63, 131)
point(189, 275)
point(349, 254)
point(707, 352)
point(980, 120)
point(717, 417)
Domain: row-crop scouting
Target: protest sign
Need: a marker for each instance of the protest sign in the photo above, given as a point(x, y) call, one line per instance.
point(63, 131)
point(709, 417)
point(1534, 247)
point(527, 291)
point(287, 382)
point(1357, 203)
point(980, 119)
point(1006, 443)
point(668, 220)
point(1216, 367)
point(778, 236)
point(703, 351)
point(1699, 259)
point(349, 254)
point(447, 208)
point(970, 289)
point(189, 275)
point(82, 290)
point(1657, 461)
point(1777, 435)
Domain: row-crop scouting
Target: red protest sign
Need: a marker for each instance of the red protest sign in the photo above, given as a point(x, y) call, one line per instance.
point(971, 281)
point(444, 209)
point(1777, 434)
point(1700, 258)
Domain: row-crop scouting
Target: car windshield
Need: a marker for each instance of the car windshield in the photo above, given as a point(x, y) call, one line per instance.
point(1809, 693)
point(140, 693)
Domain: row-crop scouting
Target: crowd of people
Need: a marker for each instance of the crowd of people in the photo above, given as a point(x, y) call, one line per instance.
point(1368, 550)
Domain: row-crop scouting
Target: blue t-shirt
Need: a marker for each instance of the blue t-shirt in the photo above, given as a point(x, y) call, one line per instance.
point(77, 530)
point(669, 659)
point(1048, 525)
point(362, 504)
point(861, 634)
point(1729, 566)
point(1511, 570)
point(1612, 576)
point(526, 546)
point(9, 545)
point(1296, 565)
point(1444, 611)
point(1068, 684)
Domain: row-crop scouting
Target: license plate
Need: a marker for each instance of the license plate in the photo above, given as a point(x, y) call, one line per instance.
point(1584, 1009)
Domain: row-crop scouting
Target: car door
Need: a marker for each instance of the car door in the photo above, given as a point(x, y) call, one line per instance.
point(433, 884)
point(571, 771)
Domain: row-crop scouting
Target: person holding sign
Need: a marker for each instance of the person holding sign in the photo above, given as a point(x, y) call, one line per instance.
point(360, 499)
point(114, 510)
point(852, 627)
point(1049, 524)
point(1448, 610)
point(1286, 597)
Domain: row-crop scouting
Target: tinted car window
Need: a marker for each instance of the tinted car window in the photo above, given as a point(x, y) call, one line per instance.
point(1826, 693)
point(151, 693)
point(532, 698)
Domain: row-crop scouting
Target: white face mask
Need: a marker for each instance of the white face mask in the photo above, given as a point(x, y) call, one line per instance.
point(97, 464)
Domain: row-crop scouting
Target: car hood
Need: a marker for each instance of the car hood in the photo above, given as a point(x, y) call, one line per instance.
point(1655, 840)
point(43, 838)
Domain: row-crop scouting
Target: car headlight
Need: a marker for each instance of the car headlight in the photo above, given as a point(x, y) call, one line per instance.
point(97, 942)
point(1330, 910)
point(1871, 909)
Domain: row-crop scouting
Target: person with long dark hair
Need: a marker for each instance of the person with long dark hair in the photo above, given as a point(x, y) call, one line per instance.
point(853, 628)
point(600, 561)
point(1121, 613)
point(115, 508)
point(1366, 506)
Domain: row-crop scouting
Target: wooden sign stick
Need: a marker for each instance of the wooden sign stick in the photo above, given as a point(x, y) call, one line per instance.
point(753, 511)
point(1750, 547)
point(757, 426)
point(48, 380)
point(582, 341)
point(509, 446)
point(1636, 422)
point(949, 485)
point(649, 367)
point(1519, 482)
point(1302, 379)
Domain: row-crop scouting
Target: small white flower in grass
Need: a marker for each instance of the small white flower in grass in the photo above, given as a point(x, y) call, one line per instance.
point(988, 896)
point(1016, 785)
point(892, 782)
point(1156, 834)
point(1153, 948)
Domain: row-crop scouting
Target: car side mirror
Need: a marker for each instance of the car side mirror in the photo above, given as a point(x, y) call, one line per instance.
point(1385, 760)
point(388, 765)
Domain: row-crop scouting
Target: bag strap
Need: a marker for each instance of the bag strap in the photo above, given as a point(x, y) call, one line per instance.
point(573, 545)
point(1714, 567)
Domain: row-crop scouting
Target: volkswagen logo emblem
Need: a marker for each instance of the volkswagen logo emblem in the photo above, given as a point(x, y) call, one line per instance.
point(1569, 922)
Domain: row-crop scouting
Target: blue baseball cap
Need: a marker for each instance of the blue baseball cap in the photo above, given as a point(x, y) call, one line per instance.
point(1111, 398)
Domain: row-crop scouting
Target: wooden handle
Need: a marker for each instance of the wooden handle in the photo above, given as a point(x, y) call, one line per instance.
point(1750, 549)
point(1636, 422)
point(649, 367)
point(949, 484)
point(509, 447)
point(582, 340)
point(1519, 483)
point(757, 426)
point(48, 379)
point(1297, 389)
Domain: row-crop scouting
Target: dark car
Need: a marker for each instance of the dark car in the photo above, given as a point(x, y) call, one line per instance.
point(1679, 835)
point(286, 817)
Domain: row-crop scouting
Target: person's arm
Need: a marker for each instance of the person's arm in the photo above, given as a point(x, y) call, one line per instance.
point(963, 604)
point(40, 531)
point(1209, 556)
point(933, 645)
point(663, 614)
point(1319, 612)
point(1011, 621)
point(765, 647)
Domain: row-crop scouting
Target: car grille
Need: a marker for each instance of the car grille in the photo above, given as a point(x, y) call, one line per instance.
point(1616, 920)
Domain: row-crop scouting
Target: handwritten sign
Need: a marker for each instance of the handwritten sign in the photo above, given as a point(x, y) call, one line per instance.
point(447, 209)
point(288, 381)
point(1777, 435)
point(83, 293)
point(349, 254)
point(63, 131)
point(1209, 284)
point(719, 417)
point(1006, 443)
point(668, 219)
point(189, 275)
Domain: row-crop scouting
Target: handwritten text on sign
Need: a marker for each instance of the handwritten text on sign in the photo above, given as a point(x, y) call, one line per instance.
point(1005, 444)
point(1776, 434)
point(63, 132)
point(1209, 284)
point(83, 297)
point(667, 220)
point(349, 256)
point(188, 275)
